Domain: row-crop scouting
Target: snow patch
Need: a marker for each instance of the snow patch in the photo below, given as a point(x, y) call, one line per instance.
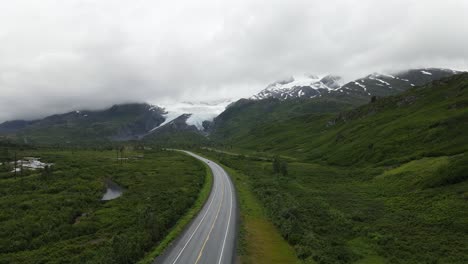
point(296, 81)
point(379, 80)
point(388, 75)
point(361, 85)
point(426, 73)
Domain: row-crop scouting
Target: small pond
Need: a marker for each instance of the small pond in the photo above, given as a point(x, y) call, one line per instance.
point(113, 191)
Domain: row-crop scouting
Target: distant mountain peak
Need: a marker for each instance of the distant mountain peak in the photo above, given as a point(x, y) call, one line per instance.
point(332, 81)
point(299, 86)
point(378, 84)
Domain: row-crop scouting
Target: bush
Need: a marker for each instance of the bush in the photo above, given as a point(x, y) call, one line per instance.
point(455, 171)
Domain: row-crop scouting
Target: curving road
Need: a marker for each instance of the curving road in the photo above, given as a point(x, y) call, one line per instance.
point(210, 238)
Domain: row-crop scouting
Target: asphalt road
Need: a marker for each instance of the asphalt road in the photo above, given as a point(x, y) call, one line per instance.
point(210, 238)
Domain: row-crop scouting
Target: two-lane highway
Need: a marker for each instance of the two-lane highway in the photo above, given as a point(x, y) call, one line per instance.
point(210, 237)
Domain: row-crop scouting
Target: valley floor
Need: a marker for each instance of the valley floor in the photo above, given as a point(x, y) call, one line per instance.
point(57, 216)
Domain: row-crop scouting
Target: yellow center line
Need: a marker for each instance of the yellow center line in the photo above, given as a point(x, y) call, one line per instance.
point(212, 226)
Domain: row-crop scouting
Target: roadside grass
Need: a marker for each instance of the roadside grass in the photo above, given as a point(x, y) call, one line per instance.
point(184, 221)
point(260, 241)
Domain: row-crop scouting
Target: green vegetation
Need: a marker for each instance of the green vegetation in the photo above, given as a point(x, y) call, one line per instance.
point(383, 183)
point(280, 166)
point(260, 241)
point(176, 139)
point(248, 122)
point(60, 218)
point(182, 223)
point(364, 215)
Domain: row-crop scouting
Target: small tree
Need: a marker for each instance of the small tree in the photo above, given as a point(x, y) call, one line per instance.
point(46, 172)
point(121, 154)
point(284, 168)
point(276, 165)
point(16, 164)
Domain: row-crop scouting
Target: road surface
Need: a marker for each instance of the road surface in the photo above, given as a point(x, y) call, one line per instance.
point(210, 238)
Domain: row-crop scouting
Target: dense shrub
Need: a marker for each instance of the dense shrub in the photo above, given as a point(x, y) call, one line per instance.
point(55, 215)
point(455, 171)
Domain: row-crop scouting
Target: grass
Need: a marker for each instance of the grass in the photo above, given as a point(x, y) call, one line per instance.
point(362, 248)
point(355, 215)
point(184, 221)
point(260, 241)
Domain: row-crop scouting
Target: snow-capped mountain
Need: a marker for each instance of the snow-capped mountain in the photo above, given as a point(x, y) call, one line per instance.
point(302, 86)
point(376, 84)
point(381, 84)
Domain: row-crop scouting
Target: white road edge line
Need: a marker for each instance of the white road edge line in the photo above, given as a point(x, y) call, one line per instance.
point(196, 229)
point(229, 219)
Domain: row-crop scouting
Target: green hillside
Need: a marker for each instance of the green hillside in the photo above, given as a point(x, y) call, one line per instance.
point(249, 120)
point(425, 121)
point(383, 183)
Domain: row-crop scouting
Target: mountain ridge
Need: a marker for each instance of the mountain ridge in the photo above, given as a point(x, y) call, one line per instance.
point(375, 84)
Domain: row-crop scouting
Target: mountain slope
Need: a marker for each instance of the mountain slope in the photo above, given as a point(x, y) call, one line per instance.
point(268, 115)
point(245, 118)
point(176, 132)
point(429, 120)
point(385, 182)
point(119, 122)
point(423, 121)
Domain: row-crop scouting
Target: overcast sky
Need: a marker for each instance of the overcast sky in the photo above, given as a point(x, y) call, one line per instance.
point(58, 55)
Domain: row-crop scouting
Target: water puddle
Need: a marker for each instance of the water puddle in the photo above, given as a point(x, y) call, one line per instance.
point(113, 191)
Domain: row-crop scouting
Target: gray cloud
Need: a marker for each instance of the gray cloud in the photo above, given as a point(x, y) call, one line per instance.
point(57, 56)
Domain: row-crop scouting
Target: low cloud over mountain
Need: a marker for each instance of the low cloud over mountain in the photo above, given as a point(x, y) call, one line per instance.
point(57, 56)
